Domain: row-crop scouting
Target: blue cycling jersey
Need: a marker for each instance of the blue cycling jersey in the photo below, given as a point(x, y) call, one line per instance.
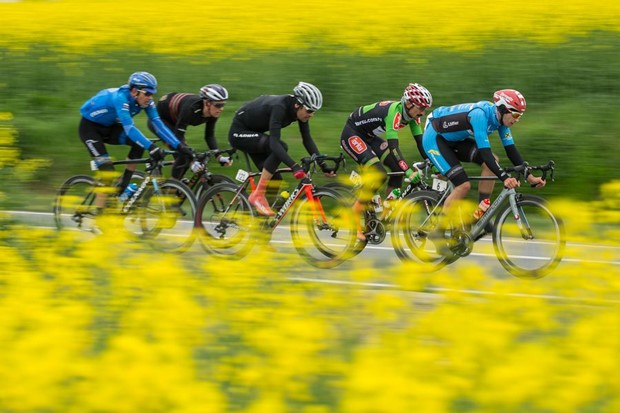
point(469, 120)
point(116, 105)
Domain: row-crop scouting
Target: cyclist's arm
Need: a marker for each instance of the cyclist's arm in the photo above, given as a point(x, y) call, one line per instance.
point(210, 133)
point(121, 105)
point(391, 135)
point(509, 145)
point(416, 132)
point(478, 121)
point(308, 142)
point(160, 129)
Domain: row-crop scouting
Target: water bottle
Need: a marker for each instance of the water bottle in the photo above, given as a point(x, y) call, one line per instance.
point(280, 200)
point(128, 192)
point(482, 208)
point(395, 194)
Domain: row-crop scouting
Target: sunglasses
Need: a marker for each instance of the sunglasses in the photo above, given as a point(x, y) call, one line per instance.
point(309, 110)
point(516, 115)
point(147, 94)
point(219, 105)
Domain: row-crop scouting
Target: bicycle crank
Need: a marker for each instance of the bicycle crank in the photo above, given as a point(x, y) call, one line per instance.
point(461, 243)
point(375, 231)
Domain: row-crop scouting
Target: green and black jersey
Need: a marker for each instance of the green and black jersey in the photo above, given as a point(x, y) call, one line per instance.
point(382, 120)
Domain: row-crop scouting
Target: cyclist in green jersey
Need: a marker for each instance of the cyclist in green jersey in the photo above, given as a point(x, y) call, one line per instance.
point(370, 137)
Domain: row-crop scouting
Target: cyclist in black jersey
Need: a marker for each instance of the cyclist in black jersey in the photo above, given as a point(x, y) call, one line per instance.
point(256, 130)
point(180, 110)
point(362, 139)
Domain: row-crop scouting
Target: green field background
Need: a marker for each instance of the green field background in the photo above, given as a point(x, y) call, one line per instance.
point(571, 88)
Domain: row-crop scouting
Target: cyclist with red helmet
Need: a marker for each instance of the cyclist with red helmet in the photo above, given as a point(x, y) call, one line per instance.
point(461, 133)
point(180, 110)
point(370, 137)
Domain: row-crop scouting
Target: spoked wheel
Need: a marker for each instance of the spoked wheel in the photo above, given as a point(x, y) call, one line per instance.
point(224, 221)
point(323, 229)
point(166, 215)
point(416, 218)
point(536, 248)
point(74, 206)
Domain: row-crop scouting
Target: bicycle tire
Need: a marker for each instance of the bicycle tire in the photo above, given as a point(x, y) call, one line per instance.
point(411, 225)
point(529, 258)
point(166, 215)
point(324, 243)
point(74, 205)
point(224, 222)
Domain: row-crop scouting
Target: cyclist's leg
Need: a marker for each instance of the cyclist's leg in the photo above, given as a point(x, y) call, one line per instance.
point(93, 137)
point(485, 187)
point(372, 171)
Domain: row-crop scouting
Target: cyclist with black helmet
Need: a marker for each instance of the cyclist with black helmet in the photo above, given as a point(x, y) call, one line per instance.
point(180, 110)
point(107, 118)
point(363, 139)
point(256, 129)
point(461, 133)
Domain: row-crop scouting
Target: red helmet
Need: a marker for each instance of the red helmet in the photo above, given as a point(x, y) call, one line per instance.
point(511, 99)
point(418, 95)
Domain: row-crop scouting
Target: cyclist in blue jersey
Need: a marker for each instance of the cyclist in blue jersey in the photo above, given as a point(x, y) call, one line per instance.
point(461, 133)
point(362, 138)
point(107, 118)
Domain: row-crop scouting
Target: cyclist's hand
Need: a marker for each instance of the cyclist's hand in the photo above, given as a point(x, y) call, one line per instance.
point(156, 154)
point(185, 150)
point(511, 183)
point(329, 172)
point(536, 181)
point(298, 173)
point(225, 160)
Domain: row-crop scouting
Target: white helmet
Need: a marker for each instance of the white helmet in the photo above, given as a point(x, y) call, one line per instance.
point(309, 96)
point(213, 93)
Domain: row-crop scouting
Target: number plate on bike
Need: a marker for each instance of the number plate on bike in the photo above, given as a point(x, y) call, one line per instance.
point(242, 175)
point(355, 178)
point(439, 184)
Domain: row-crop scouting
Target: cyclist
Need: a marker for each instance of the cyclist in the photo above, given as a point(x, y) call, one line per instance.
point(107, 118)
point(271, 113)
point(179, 110)
point(362, 139)
point(461, 133)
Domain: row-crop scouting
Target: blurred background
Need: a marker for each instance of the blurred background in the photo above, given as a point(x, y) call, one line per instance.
point(563, 56)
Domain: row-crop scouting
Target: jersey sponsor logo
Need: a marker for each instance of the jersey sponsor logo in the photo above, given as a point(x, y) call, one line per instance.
point(385, 103)
point(96, 113)
point(447, 125)
point(90, 144)
point(245, 135)
point(403, 165)
point(433, 152)
point(397, 122)
point(357, 144)
point(365, 121)
point(383, 146)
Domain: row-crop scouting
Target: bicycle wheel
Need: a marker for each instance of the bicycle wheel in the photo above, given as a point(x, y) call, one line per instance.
point(224, 221)
point(323, 230)
point(537, 248)
point(166, 215)
point(74, 206)
point(415, 218)
point(211, 181)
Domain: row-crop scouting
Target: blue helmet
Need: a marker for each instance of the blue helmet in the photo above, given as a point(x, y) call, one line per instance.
point(144, 81)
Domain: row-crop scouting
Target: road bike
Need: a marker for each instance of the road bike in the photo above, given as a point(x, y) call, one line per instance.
point(160, 211)
point(321, 222)
point(528, 239)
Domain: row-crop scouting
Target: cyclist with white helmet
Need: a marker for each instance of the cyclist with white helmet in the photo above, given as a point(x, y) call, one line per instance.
point(256, 129)
point(107, 118)
point(370, 137)
point(180, 110)
point(461, 133)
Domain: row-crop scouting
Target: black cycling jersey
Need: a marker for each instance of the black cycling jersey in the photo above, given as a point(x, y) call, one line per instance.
point(269, 114)
point(180, 110)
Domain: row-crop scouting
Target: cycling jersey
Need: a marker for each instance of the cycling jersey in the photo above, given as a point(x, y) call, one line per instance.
point(382, 119)
point(180, 110)
point(117, 106)
point(270, 113)
point(468, 121)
